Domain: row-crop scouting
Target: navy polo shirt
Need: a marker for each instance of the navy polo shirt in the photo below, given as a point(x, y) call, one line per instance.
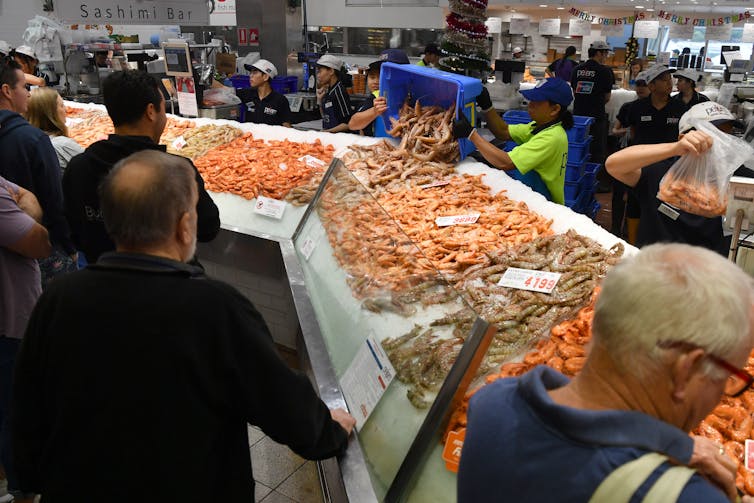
point(336, 107)
point(522, 446)
point(651, 125)
point(274, 109)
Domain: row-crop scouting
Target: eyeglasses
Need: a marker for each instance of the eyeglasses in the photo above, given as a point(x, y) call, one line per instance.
point(738, 381)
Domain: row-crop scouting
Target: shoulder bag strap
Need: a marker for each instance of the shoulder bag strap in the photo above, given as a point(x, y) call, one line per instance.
point(622, 483)
point(670, 485)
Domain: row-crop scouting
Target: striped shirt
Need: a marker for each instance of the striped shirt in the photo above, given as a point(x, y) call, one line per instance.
point(336, 107)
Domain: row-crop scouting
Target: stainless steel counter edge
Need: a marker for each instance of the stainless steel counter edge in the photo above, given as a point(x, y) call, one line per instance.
point(355, 475)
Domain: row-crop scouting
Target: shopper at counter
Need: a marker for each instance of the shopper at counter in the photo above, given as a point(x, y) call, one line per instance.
point(431, 56)
point(563, 68)
point(171, 365)
point(263, 105)
point(27, 58)
point(137, 108)
point(542, 150)
point(368, 114)
point(47, 112)
point(592, 84)
point(655, 119)
point(334, 103)
point(687, 79)
point(659, 361)
point(642, 168)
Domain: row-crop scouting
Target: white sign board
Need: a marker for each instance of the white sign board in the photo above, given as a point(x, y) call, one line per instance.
point(681, 31)
point(721, 32)
point(748, 35)
point(518, 26)
point(366, 379)
point(646, 29)
point(579, 27)
point(494, 25)
point(549, 26)
point(663, 58)
point(223, 14)
point(180, 12)
point(611, 30)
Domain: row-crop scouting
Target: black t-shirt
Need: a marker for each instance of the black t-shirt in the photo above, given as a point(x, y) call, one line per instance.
point(622, 115)
point(662, 223)
point(368, 103)
point(654, 126)
point(590, 82)
point(274, 109)
point(695, 100)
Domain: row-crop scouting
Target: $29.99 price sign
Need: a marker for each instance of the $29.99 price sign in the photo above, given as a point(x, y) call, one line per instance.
point(526, 279)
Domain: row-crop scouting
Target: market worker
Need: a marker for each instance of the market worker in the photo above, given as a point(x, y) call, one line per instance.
point(517, 53)
point(592, 84)
point(263, 105)
point(27, 58)
point(563, 67)
point(368, 114)
point(431, 56)
point(673, 326)
point(333, 100)
point(686, 80)
point(136, 106)
point(542, 144)
point(5, 48)
point(171, 363)
point(22, 240)
point(642, 168)
point(655, 119)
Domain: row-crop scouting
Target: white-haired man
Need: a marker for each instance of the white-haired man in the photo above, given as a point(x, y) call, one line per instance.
point(672, 328)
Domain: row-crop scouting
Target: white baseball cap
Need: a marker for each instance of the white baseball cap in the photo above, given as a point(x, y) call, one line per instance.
point(708, 111)
point(263, 66)
point(600, 45)
point(655, 71)
point(516, 50)
point(689, 73)
point(4, 47)
point(330, 61)
point(26, 51)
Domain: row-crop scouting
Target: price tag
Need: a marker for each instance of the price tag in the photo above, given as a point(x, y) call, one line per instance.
point(366, 379)
point(749, 454)
point(283, 166)
point(451, 453)
point(526, 279)
point(469, 219)
point(269, 207)
point(439, 183)
point(307, 247)
point(179, 143)
point(312, 161)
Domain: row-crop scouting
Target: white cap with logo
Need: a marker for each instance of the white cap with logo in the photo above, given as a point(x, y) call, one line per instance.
point(708, 111)
point(26, 51)
point(655, 71)
point(263, 66)
point(690, 74)
point(330, 61)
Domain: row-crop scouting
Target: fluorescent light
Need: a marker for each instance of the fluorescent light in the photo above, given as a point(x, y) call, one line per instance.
point(542, 5)
point(561, 8)
point(639, 6)
point(650, 10)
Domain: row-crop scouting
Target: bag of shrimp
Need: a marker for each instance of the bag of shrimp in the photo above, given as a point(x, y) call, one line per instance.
point(698, 184)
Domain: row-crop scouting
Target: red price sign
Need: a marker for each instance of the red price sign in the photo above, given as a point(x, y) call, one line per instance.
point(526, 279)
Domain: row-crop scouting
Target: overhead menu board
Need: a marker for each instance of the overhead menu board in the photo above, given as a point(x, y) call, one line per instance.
point(646, 29)
point(549, 26)
point(494, 25)
point(721, 32)
point(579, 27)
point(748, 35)
point(681, 31)
point(519, 26)
point(180, 12)
point(611, 30)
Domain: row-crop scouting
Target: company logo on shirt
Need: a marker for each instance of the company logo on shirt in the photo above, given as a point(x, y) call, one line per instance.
point(672, 120)
point(584, 87)
point(586, 73)
point(270, 111)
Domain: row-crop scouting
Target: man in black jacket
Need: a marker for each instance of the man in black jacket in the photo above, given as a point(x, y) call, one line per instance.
point(137, 109)
point(137, 375)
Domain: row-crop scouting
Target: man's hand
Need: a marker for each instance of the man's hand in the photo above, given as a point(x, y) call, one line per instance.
point(380, 105)
point(462, 128)
point(483, 100)
point(710, 460)
point(344, 419)
point(695, 142)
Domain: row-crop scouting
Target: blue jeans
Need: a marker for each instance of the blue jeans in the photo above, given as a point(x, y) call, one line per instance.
point(8, 351)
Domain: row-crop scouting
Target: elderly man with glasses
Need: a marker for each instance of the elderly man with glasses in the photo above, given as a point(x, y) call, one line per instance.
point(673, 327)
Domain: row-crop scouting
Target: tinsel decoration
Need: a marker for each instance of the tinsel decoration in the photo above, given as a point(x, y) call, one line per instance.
point(632, 50)
point(464, 45)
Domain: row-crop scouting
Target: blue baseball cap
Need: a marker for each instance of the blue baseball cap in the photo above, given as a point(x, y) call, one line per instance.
point(397, 56)
point(554, 89)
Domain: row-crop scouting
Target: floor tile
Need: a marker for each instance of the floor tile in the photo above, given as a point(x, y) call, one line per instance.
point(276, 497)
point(255, 435)
point(303, 486)
point(272, 463)
point(260, 491)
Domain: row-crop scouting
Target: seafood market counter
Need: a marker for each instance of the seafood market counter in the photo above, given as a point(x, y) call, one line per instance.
point(344, 282)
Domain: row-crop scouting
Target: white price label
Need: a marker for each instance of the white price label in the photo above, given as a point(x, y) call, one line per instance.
point(312, 161)
point(439, 183)
point(282, 166)
point(179, 143)
point(469, 219)
point(526, 279)
point(269, 207)
point(307, 247)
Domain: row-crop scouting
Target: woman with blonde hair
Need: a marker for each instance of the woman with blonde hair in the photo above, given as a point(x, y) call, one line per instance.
point(47, 112)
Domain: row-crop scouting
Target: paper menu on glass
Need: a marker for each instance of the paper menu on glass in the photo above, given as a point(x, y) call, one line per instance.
point(646, 29)
point(579, 27)
point(187, 96)
point(518, 26)
point(366, 379)
point(549, 26)
point(748, 34)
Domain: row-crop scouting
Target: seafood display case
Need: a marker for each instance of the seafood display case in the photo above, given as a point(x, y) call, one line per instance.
point(376, 292)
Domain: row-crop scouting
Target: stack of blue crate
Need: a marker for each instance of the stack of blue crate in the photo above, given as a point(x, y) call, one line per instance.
point(579, 177)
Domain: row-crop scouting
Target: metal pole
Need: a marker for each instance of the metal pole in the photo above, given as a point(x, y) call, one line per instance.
point(736, 234)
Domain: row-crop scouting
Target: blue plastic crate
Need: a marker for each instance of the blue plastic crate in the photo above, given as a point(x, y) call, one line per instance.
point(430, 87)
point(516, 117)
point(509, 145)
point(590, 173)
point(593, 210)
point(577, 152)
point(574, 170)
point(240, 81)
point(580, 130)
point(284, 85)
point(572, 190)
point(570, 203)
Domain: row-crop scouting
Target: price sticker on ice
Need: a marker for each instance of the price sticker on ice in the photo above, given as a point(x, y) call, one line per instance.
point(526, 279)
point(307, 248)
point(179, 143)
point(469, 219)
point(312, 161)
point(439, 183)
point(268, 207)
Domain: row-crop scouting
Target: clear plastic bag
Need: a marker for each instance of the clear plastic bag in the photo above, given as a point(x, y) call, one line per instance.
point(698, 184)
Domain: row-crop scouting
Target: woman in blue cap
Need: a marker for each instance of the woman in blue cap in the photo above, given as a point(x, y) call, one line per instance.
point(542, 151)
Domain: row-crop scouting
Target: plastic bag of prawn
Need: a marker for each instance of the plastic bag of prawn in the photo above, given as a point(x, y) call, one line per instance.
point(698, 184)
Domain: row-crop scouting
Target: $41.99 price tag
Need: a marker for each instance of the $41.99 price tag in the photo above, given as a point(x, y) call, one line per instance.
point(469, 219)
point(526, 279)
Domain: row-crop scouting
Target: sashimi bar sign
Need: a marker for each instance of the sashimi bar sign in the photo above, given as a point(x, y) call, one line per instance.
point(181, 12)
